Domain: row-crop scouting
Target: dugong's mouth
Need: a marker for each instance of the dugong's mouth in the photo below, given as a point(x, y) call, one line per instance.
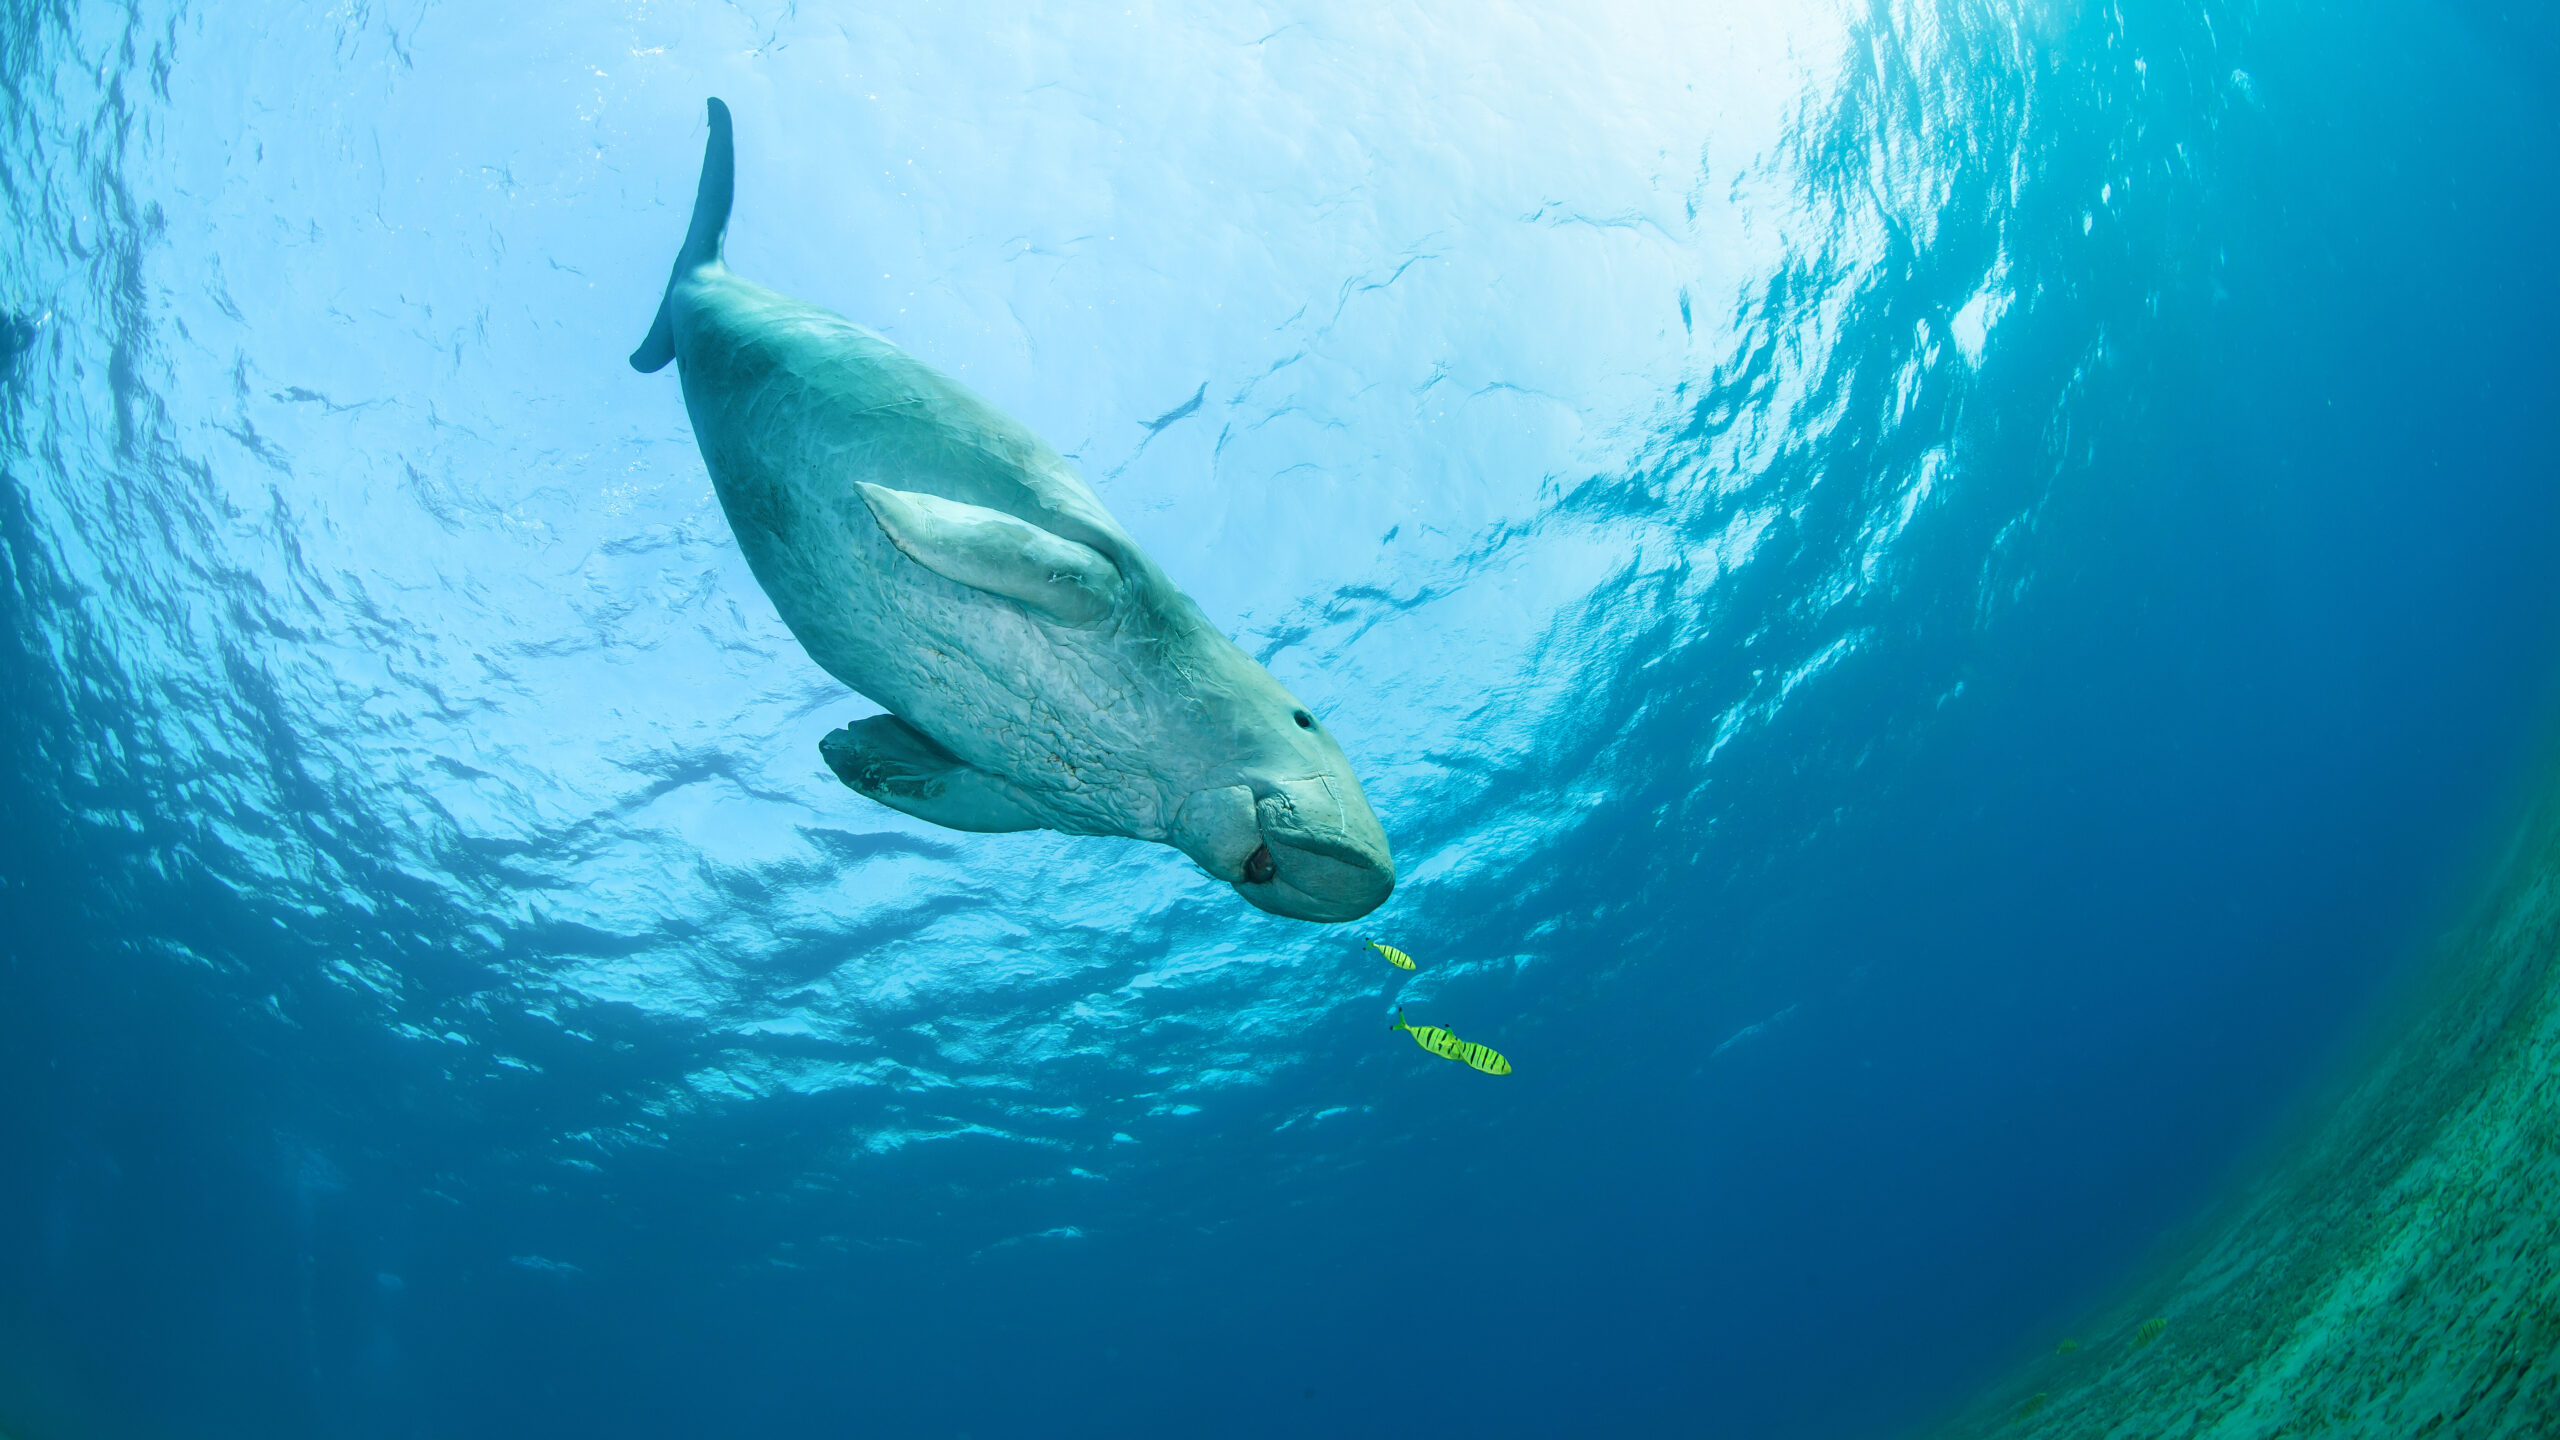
point(1296, 850)
point(1314, 878)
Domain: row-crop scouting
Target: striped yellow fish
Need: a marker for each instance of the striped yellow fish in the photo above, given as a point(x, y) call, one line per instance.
point(1449, 1047)
point(1395, 957)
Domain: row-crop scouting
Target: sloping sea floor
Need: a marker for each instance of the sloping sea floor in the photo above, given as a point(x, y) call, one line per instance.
point(2399, 1274)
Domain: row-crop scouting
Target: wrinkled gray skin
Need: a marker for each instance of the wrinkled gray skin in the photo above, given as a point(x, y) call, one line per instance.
point(1038, 669)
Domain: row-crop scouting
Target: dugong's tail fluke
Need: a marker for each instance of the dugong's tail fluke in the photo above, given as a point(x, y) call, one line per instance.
point(701, 241)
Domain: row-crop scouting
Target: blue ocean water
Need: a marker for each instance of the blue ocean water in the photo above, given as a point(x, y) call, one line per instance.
point(1936, 597)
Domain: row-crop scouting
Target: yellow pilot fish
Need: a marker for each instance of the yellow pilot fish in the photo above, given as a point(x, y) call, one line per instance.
point(1449, 1047)
point(1395, 957)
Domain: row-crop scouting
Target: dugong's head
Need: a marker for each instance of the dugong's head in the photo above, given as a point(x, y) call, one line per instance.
point(1278, 814)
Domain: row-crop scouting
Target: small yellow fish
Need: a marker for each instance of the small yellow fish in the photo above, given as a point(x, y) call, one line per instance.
point(1395, 957)
point(2148, 1331)
point(1449, 1047)
point(2066, 1347)
point(2034, 1403)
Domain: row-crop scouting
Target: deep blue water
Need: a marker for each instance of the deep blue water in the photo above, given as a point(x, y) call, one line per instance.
point(1935, 597)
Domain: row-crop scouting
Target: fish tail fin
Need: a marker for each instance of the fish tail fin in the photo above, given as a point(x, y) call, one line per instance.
point(701, 240)
point(1400, 1021)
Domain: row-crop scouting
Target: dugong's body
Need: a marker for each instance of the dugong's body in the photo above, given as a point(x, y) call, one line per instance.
point(1038, 669)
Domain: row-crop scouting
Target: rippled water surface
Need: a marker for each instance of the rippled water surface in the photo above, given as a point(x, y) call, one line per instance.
point(1932, 594)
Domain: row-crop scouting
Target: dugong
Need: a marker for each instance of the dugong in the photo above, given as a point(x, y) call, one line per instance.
point(929, 551)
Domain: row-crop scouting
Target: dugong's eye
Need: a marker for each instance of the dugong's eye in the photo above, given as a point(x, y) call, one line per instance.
point(1305, 720)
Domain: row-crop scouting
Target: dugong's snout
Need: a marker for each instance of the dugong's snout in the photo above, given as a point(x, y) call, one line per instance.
point(1314, 885)
point(1300, 848)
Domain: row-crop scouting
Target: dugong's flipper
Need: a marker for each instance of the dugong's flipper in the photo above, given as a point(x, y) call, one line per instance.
point(992, 551)
point(889, 760)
